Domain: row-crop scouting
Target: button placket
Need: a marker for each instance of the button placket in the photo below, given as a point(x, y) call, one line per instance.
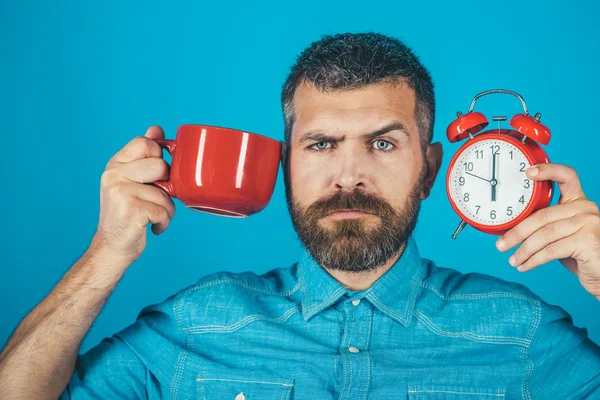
point(355, 349)
point(355, 303)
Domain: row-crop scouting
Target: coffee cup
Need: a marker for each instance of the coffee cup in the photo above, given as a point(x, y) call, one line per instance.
point(221, 171)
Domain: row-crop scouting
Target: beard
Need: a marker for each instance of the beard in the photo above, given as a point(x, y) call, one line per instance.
point(355, 245)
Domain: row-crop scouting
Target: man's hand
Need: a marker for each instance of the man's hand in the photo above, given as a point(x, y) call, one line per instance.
point(128, 203)
point(568, 231)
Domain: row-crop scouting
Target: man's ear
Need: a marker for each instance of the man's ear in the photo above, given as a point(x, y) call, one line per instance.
point(284, 150)
point(285, 161)
point(433, 162)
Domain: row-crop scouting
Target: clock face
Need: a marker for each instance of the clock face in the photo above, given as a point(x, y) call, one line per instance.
point(488, 183)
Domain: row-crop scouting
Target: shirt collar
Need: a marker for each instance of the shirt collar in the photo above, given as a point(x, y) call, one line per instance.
point(394, 293)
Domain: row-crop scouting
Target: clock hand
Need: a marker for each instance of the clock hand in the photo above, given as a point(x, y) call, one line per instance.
point(468, 173)
point(493, 180)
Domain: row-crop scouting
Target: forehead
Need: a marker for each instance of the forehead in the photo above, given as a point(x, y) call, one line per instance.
point(353, 110)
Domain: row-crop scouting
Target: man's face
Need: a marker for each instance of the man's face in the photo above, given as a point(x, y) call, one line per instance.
point(356, 170)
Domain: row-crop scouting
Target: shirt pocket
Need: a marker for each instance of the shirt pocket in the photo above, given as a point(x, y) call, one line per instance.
point(448, 392)
point(243, 385)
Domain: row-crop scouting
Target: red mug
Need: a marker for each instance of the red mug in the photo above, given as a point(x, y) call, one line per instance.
point(220, 170)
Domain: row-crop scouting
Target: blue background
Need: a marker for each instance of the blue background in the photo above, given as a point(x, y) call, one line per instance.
point(80, 79)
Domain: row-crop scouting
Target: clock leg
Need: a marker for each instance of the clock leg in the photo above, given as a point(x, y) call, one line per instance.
point(460, 227)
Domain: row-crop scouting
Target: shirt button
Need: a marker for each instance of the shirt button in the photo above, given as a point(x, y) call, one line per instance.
point(240, 396)
point(355, 302)
point(353, 349)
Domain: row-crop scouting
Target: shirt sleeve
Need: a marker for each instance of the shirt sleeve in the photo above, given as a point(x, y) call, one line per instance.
point(563, 363)
point(131, 363)
point(110, 370)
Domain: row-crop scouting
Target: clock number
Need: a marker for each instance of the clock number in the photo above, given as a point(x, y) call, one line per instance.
point(522, 167)
point(495, 149)
point(466, 198)
point(477, 212)
point(522, 199)
point(461, 181)
point(511, 154)
point(479, 153)
point(493, 214)
point(509, 211)
point(527, 185)
point(469, 166)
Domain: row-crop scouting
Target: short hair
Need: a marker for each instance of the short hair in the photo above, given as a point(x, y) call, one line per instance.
point(354, 60)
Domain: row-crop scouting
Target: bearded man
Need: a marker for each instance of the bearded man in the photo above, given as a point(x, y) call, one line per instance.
point(361, 315)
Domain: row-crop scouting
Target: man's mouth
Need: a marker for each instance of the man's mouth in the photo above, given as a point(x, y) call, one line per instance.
point(346, 214)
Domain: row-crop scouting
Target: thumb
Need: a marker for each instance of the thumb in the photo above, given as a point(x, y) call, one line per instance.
point(566, 177)
point(155, 132)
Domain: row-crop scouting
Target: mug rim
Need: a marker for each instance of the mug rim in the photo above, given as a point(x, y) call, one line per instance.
point(231, 129)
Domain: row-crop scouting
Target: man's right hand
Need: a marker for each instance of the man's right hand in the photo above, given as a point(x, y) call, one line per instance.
point(128, 201)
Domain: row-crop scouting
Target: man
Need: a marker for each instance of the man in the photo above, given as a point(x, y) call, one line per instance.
point(362, 315)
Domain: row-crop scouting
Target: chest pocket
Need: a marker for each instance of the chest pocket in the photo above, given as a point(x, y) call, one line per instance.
point(445, 392)
point(243, 386)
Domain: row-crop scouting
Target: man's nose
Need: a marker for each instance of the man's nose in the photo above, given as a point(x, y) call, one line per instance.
point(349, 174)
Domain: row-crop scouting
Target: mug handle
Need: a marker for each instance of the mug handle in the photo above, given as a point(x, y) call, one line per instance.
point(168, 145)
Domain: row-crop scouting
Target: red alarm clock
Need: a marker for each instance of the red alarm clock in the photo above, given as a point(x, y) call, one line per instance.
point(486, 181)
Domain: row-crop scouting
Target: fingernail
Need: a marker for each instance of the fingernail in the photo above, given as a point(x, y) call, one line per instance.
point(533, 171)
point(511, 260)
point(520, 268)
point(500, 244)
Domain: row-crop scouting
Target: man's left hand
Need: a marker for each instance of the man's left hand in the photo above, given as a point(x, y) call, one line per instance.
point(568, 231)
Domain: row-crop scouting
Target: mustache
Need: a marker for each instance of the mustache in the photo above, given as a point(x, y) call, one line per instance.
point(355, 200)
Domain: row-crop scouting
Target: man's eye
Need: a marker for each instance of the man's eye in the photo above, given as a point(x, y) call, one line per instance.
point(320, 145)
point(382, 145)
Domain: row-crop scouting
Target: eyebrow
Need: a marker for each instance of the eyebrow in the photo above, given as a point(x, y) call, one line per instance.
point(322, 137)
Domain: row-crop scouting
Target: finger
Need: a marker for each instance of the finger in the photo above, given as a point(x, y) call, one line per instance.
point(137, 148)
point(542, 217)
point(154, 195)
point(155, 132)
point(566, 177)
point(547, 234)
point(562, 248)
point(156, 215)
point(145, 170)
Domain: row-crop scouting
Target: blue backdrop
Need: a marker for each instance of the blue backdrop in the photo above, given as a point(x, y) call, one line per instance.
point(80, 79)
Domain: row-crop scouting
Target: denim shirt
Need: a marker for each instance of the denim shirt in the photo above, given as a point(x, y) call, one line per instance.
point(420, 332)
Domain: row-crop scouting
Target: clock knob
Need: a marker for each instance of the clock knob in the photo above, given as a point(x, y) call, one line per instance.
point(470, 123)
point(531, 127)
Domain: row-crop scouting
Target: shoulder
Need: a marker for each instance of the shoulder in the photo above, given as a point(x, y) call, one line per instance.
point(450, 284)
point(484, 307)
point(278, 282)
point(224, 300)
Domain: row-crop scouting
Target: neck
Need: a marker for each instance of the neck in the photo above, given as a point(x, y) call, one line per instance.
point(365, 279)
